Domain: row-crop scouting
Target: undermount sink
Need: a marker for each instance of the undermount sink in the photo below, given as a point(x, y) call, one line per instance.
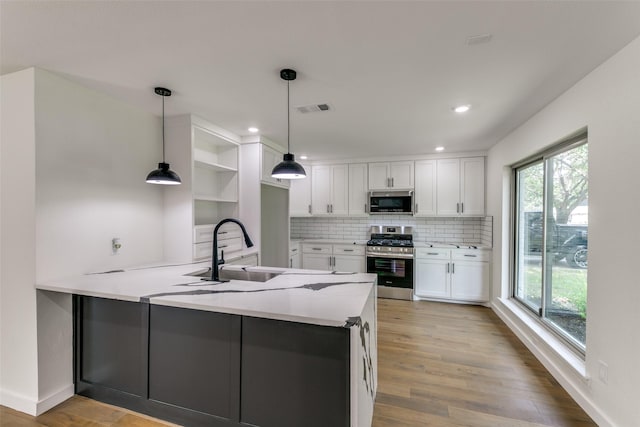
point(248, 275)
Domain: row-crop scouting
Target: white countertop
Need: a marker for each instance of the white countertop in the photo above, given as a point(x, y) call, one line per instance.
point(444, 245)
point(332, 241)
point(306, 296)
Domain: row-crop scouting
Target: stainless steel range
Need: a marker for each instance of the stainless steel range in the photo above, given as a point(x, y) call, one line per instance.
point(390, 256)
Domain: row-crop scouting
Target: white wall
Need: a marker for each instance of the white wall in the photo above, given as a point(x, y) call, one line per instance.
point(86, 178)
point(18, 343)
point(606, 101)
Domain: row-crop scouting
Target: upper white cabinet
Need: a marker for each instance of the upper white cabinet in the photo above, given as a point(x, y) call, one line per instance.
point(460, 186)
point(330, 190)
point(269, 158)
point(206, 158)
point(358, 184)
point(300, 195)
point(425, 188)
point(391, 175)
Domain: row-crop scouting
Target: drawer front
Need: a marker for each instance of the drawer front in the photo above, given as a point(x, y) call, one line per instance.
point(471, 255)
point(203, 233)
point(433, 253)
point(320, 248)
point(348, 250)
point(205, 249)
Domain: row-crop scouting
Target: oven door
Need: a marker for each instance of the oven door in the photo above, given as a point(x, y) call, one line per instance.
point(395, 275)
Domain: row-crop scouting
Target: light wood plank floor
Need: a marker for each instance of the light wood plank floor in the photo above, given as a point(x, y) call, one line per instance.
point(439, 365)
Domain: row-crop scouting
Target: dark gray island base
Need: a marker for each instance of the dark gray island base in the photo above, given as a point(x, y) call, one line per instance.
point(198, 368)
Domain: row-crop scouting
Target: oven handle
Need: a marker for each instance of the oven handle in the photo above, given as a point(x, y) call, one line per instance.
point(397, 256)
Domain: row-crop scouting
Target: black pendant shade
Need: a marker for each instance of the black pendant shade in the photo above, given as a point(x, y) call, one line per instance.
point(288, 168)
point(163, 175)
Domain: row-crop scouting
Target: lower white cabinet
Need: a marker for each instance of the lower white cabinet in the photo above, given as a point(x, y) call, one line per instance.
point(455, 274)
point(338, 257)
point(294, 255)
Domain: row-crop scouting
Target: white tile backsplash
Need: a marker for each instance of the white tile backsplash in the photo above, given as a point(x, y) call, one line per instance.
point(454, 230)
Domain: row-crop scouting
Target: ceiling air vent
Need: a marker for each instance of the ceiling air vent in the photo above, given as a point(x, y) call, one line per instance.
point(479, 39)
point(312, 108)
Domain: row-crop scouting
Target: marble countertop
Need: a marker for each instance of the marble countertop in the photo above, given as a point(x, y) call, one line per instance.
point(306, 296)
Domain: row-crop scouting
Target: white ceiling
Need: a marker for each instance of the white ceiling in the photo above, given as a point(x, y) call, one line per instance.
point(391, 70)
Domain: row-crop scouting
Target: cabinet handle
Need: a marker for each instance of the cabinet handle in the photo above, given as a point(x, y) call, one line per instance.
point(222, 232)
point(347, 250)
point(222, 246)
point(433, 253)
point(457, 207)
point(447, 267)
point(309, 208)
point(453, 268)
point(461, 207)
point(416, 208)
point(388, 182)
point(328, 209)
point(290, 263)
point(365, 208)
point(471, 256)
point(393, 183)
point(331, 208)
point(317, 249)
point(294, 250)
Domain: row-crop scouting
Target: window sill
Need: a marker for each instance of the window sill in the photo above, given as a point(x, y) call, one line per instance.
point(536, 335)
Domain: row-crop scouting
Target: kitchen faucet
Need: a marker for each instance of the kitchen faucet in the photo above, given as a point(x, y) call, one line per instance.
point(215, 262)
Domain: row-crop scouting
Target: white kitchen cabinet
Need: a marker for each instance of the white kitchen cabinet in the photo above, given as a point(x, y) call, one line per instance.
point(460, 186)
point(295, 260)
point(391, 175)
point(358, 185)
point(269, 158)
point(300, 195)
point(206, 158)
point(458, 274)
point(338, 257)
point(330, 190)
point(425, 188)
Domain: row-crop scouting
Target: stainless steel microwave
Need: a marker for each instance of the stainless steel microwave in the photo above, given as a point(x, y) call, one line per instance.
point(391, 202)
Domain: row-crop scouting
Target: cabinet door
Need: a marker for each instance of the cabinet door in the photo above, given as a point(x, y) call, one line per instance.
point(432, 278)
point(425, 193)
point(320, 189)
point(358, 184)
point(472, 186)
point(316, 262)
point(300, 195)
point(470, 281)
point(378, 176)
point(350, 263)
point(448, 186)
point(339, 190)
point(270, 158)
point(401, 174)
point(294, 261)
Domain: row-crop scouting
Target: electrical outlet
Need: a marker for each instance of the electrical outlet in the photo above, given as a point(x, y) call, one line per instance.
point(603, 371)
point(115, 245)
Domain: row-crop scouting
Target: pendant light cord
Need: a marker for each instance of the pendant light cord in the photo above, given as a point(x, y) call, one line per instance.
point(163, 128)
point(288, 119)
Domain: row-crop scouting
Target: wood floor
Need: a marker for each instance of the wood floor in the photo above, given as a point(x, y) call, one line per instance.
point(438, 365)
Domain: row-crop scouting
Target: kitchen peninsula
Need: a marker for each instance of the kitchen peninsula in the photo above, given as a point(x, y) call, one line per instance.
point(297, 349)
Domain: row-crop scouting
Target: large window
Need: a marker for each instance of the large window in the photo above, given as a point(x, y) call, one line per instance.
point(551, 218)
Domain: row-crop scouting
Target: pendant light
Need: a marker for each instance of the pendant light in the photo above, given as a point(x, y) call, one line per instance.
point(163, 175)
point(288, 168)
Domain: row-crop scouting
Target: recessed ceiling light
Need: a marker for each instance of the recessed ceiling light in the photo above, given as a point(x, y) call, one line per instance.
point(303, 157)
point(253, 129)
point(462, 108)
point(439, 148)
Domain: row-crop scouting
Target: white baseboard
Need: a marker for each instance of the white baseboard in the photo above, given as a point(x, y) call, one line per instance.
point(574, 380)
point(32, 407)
point(54, 399)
